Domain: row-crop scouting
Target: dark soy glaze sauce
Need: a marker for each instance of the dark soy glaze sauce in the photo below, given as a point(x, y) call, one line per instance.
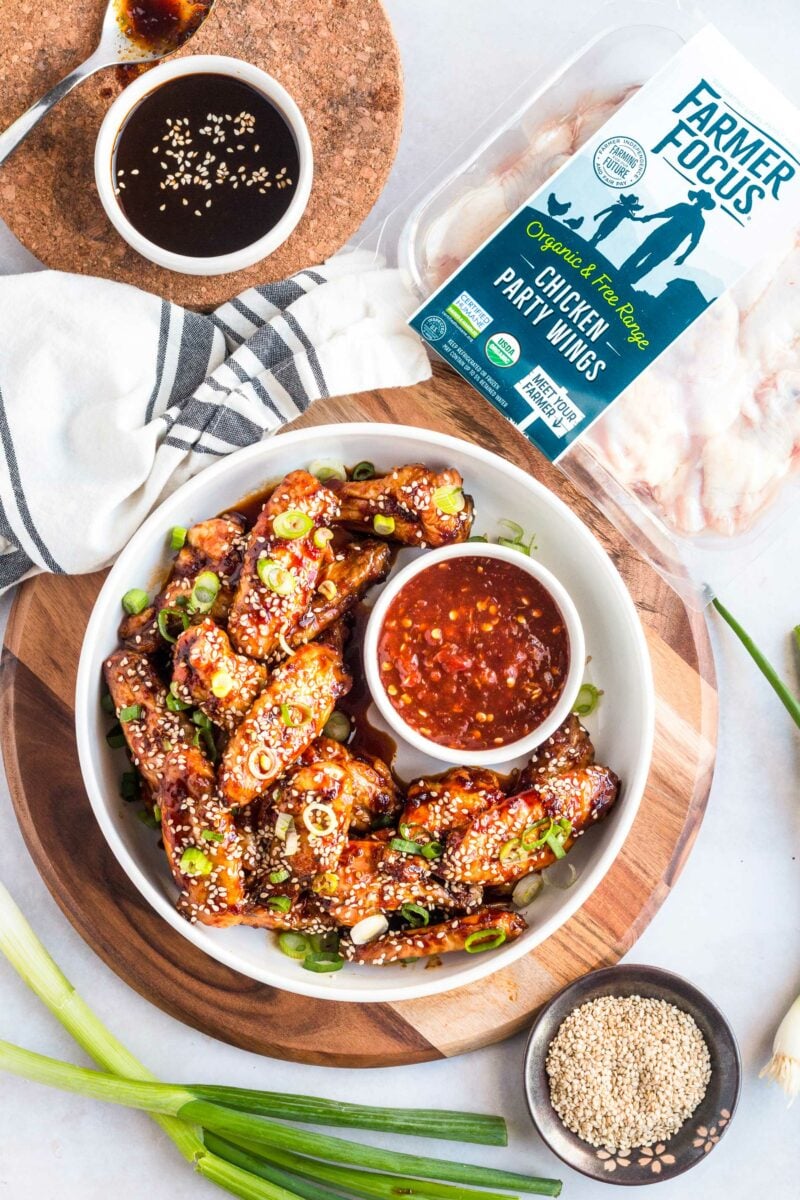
point(205, 165)
point(161, 24)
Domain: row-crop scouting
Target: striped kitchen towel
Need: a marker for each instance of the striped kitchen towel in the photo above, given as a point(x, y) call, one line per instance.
point(111, 398)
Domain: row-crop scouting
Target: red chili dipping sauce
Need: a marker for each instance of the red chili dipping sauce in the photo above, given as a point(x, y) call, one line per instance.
point(473, 653)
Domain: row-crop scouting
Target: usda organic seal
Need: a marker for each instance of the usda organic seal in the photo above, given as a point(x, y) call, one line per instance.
point(502, 349)
point(434, 328)
point(620, 162)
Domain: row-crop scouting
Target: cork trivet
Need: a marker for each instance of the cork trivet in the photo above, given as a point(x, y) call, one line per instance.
point(337, 58)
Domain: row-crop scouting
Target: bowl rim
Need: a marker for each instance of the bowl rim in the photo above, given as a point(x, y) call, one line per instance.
point(575, 639)
point(164, 73)
point(650, 976)
point(87, 692)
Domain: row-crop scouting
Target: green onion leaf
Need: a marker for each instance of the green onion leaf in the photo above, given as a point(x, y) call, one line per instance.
point(515, 530)
point(177, 538)
point(115, 738)
point(204, 592)
point(324, 469)
point(212, 835)
point(337, 727)
point(129, 785)
point(323, 962)
point(416, 915)
point(278, 876)
point(148, 818)
point(383, 525)
point(107, 704)
point(449, 499)
point(484, 939)
point(164, 618)
point(280, 904)
point(292, 524)
point(363, 470)
point(174, 703)
point(275, 577)
point(432, 850)
point(478, 537)
point(200, 719)
point(293, 945)
point(194, 862)
point(587, 700)
point(554, 841)
point(135, 601)
point(131, 712)
point(404, 846)
point(295, 715)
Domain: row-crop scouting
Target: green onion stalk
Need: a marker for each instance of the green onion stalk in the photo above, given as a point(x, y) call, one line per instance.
point(789, 701)
point(243, 1152)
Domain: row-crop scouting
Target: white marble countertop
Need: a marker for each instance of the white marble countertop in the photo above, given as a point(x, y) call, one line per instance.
point(732, 924)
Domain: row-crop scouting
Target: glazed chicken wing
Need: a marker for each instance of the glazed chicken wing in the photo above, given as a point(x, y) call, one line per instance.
point(498, 845)
point(410, 497)
point(496, 924)
point(307, 820)
point(284, 720)
point(209, 675)
point(342, 583)
point(265, 612)
point(140, 702)
point(570, 746)
point(216, 545)
point(373, 792)
point(434, 806)
point(200, 839)
point(363, 888)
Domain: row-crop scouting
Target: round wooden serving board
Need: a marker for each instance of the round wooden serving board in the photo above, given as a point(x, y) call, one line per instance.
point(37, 680)
point(337, 58)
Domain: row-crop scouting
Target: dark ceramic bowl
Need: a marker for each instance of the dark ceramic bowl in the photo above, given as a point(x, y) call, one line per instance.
point(700, 1134)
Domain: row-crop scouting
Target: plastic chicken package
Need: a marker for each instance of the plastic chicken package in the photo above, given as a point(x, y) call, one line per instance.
point(614, 266)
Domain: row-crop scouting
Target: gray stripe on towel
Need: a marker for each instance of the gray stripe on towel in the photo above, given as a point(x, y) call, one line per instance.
point(19, 495)
point(163, 338)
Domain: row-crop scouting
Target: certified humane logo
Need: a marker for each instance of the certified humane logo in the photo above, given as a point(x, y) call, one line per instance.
point(620, 162)
point(434, 328)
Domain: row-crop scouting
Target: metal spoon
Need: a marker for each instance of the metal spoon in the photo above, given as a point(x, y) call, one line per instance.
point(115, 48)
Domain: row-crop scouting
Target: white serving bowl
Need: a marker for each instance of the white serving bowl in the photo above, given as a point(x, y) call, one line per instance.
point(117, 115)
point(622, 726)
point(572, 684)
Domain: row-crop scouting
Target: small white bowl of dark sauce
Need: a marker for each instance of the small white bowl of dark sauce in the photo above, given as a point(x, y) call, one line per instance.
point(204, 165)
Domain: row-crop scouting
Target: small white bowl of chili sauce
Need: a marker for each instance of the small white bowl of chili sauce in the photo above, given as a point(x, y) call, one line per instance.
point(474, 654)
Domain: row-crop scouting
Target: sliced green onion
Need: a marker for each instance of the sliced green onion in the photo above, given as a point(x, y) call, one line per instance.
point(177, 538)
point(515, 530)
point(532, 839)
point(326, 884)
point(527, 889)
point(107, 704)
point(292, 524)
point(484, 939)
point(283, 823)
point(432, 850)
point(276, 577)
point(295, 715)
point(175, 704)
point(587, 700)
point(478, 537)
point(148, 819)
point(278, 876)
point(320, 819)
point(321, 537)
point(204, 737)
point(511, 851)
point(280, 904)
point(555, 842)
point(194, 862)
point(561, 875)
point(163, 618)
point(324, 469)
point(135, 601)
point(363, 470)
point(212, 835)
point(383, 525)
point(323, 962)
point(157, 812)
point(204, 592)
point(293, 945)
point(200, 719)
point(404, 846)
point(416, 915)
point(449, 499)
point(115, 738)
point(129, 785)
point(327, 941)
point(337, 727)
point(173, 691)
point(131, 712)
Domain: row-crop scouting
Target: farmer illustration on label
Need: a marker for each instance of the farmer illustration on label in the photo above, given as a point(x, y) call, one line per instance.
point(624, 209)
point(680, 222)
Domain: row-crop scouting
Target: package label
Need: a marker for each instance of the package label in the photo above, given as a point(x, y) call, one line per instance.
point(691, 181)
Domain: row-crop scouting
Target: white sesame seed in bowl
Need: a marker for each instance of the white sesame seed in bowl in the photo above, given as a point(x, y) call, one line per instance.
point(621, 727)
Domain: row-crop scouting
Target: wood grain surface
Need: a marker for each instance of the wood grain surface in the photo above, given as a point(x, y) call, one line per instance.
point(337, 58)
point(37, 678)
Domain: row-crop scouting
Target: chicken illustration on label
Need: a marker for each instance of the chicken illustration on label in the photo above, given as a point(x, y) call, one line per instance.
point(684, 188)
